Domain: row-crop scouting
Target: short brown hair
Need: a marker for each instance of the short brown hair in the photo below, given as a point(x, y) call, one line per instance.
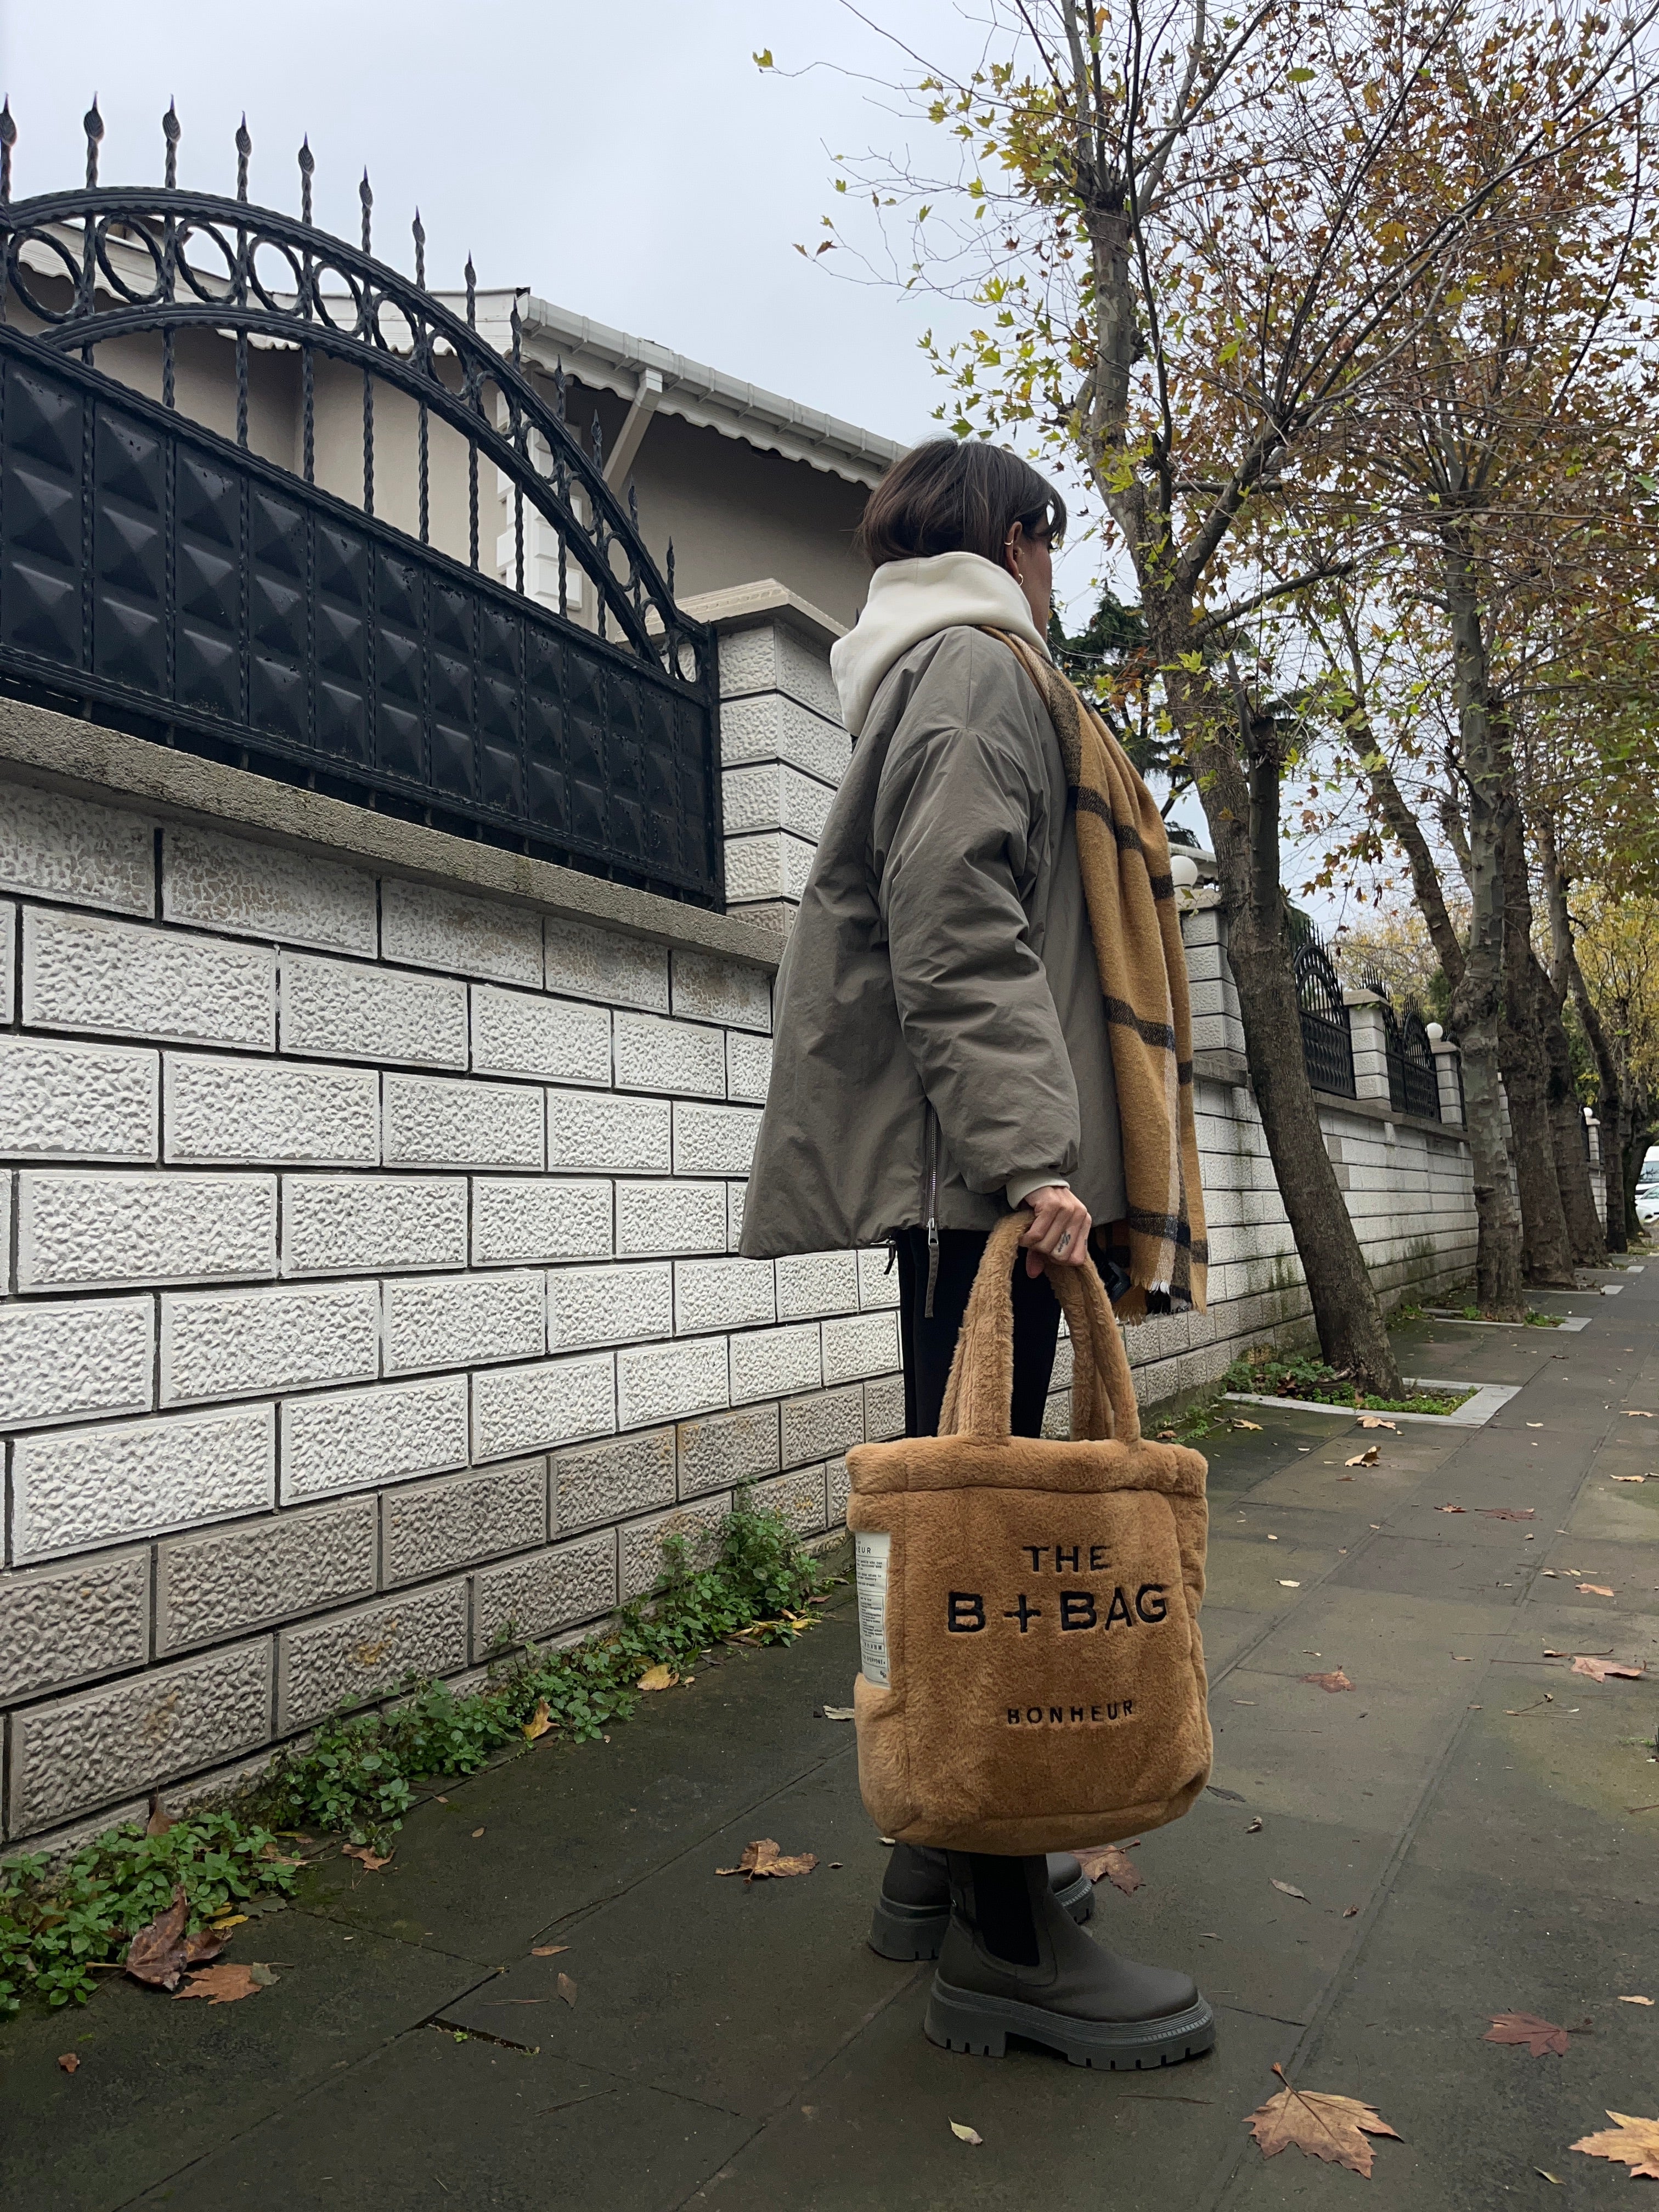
point(956, 495)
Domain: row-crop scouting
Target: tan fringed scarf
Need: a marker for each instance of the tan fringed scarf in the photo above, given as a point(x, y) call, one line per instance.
point(1125, 857)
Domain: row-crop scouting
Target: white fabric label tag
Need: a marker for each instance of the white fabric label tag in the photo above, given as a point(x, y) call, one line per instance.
point(874, 1548)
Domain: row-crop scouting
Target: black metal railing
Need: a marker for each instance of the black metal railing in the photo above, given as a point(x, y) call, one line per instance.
point(173, 580)
point(1413, 1081)
point(1327, 1041)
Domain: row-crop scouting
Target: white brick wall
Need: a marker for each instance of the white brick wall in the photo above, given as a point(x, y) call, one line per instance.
point(221, 1112)
point(83, 971)
point(60, 1101)
point(243, 1344)
point(339, 1010)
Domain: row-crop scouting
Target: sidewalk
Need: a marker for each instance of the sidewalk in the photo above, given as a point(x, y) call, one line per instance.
point(739, 2049)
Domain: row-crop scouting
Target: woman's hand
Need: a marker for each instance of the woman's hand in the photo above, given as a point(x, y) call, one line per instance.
point(1059, 1228)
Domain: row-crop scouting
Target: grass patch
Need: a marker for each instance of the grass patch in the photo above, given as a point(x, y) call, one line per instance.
point(1262, 1375)
point(1533, 1318)
point(59, 1927)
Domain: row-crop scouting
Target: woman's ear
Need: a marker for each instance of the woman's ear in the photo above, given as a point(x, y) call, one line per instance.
point(1011, 545)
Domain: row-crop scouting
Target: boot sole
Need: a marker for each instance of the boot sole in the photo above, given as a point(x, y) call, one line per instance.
point(961, 2019)
point(909, 1932)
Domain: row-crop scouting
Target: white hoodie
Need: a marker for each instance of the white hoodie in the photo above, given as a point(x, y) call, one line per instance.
point(910, 600)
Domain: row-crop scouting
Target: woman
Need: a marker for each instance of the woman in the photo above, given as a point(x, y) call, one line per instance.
point(944, 1052)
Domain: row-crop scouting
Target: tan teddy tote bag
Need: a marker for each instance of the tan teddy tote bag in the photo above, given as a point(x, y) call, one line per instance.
point(1033, 1676)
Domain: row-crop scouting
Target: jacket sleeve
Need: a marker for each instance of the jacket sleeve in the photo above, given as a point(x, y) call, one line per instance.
point(959, 826)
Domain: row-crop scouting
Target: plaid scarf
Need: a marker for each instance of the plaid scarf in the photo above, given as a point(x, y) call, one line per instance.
point(1125, 857)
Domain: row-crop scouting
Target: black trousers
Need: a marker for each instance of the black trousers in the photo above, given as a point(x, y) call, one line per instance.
point(927, 1343)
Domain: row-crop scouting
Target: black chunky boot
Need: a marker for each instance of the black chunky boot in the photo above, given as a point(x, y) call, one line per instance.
point(1013, 1963)
point(914, 1909)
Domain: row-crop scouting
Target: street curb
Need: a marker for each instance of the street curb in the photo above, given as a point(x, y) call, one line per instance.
point(1473, 1413)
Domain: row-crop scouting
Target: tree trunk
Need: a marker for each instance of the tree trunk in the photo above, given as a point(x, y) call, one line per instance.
point(1546, 1251)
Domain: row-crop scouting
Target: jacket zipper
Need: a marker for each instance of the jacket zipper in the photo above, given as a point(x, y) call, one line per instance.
point(930, 1146)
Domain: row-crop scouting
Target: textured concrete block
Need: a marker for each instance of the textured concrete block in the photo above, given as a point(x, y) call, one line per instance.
point(775, 1362)
point(603, 964)
point(556, 1588)
point(683, 1057)
point(368, 1652)
point(624, 1135)
point(63, 1361)
point(773, 727)
point(736, 1193)
point(709, 989)
point(227, 1581)
point(602, 1483)
point(799, 1496)
point(339, 1010)
point(767, 868)
point(515, 1033)
point(866, 1346)
point(748, 1067)
point(819, 1426)
point(814, 1283)
point(80, 1752)
point(241, 1343)
point(94, 1230)
point(353, 1439)
point(836, 1487)
point(639, 1552)
point(714, 1140)
point(83, 971)
point(722, 1294)
point(69, 848)
point(725, 1449)
point(671, 1216)
point(355, 1224)
point(65, 1624)
point(428, 1527)
point(608, 1305)
point(522, 1217)
point(463, 1321)
point(884, 1408)
point(81, 1487)
point(553, 1401)
point(665, 1382)
point(771, 656)
point(8, 961)
point(60, 1101)
point(773, 795)
point(435, 1122)
point(263, 890)
point(220, 1111)
point(427, 926)
point(879, 1281)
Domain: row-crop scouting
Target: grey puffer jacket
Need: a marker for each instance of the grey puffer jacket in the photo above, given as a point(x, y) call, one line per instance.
point(940, 1030)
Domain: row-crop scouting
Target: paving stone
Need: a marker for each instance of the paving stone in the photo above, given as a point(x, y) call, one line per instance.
point(723, 1448)
point(626, 1136)
point(69, 848)
point(435, 1121)
point(429, 1528)
point(238, 1344)
point(602, 1483)
point(640, 1542)
point(522, 1033)
point(366, 1225)
point(817, 1427)
point(552, 1401)
point(77, 1752)
point(61, 1100)
point(604, 964)
point(560, 1587)
point(522, 1217)
point(226, 1112)
point(814, 1283)
point(83, 971)
point(97, 1232)
point(465, 1320)
point(710, 989)
point(337, 1010)
point(772, 1363)
point(588, 1306)
point(73, 1489)
point(429, 926)
point(726, 1293)
point(355, 1439)
point(251, 890)
point(799, 1496)
point(62, 1360)
point(665, 1383)
point(369, 1651)
point(225, 1582)
point(670, 1216)
point(65, 1624)
point(714, 1140)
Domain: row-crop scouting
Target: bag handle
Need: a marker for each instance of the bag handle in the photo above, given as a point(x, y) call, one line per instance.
point(978, 1397)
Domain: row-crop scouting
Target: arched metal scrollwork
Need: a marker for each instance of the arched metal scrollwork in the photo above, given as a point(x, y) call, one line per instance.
point(1326, 1039)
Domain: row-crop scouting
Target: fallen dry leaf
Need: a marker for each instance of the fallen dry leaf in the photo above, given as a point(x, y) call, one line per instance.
point(1247, 1425)
point(1255, 1827)
point(1451, 1508)
point(1289, 1890)
point(226, 1983)
point(548, 1950)
point(658, 1678)
point(1594, 1590)
point(1336, 1680)
point(1374, 1421)
point(1644, 2001)
point(159, 1818)
point(1630, 1478)
point(1283, 1584)
point(540, 1722)
point(162, 1953)
point(227, 1921)
point(1598, 1670)
point(1350, 1912)
point(1117, 1867)
point(365, 1855)
point(476, 1832)
point(838, 1712)
point(1331, 2127)
point(567, 1990)
point(1631, 2142)
point(1636, 1413)
point(1367, 1458)
point(763, 1857)
point(1538, 2035)
point(964, 2133)
point(69, 2062)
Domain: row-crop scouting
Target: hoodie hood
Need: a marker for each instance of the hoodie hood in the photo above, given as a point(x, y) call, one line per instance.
point(910, 600)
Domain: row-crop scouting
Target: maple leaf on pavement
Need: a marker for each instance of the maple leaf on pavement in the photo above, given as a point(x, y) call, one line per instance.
point(1367, 1458)
point(1598, 1670)
point(1539, 2035)
point(161, 1954)
point(1336, 1680)
point(365, 1855)
point(222, 1984)
point(763, 1857)
point(1632, 2142)
point(1331, 2127)
point(1118, 1868)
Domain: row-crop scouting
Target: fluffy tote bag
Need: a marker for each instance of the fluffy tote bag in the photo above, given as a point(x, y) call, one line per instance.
point(1033, 1676)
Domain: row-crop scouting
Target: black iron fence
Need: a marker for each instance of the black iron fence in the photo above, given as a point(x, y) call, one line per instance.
point(171, 579)
point(1413, 1080)
point(1327, 1041)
